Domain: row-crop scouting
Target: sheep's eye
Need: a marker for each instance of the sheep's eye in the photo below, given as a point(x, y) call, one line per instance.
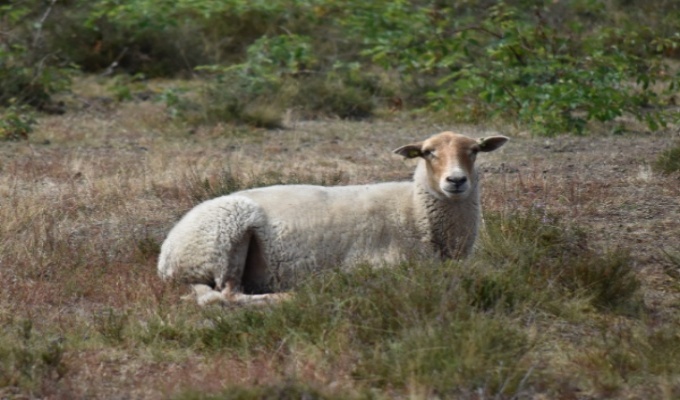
point(428, 153)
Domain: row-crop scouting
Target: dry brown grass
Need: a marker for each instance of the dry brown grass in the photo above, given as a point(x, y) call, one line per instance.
point(87, 201)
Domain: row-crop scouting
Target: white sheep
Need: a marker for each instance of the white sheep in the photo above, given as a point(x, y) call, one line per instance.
point(249, 245)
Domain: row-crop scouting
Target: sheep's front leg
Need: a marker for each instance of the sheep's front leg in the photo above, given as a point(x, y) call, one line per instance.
point(204, 295)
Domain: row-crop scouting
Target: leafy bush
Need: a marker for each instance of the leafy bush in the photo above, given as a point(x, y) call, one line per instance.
point(548, 75)
point(280, 73)
point(167, 37)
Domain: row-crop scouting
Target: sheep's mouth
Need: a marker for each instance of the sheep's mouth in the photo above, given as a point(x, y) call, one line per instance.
point(455, 191)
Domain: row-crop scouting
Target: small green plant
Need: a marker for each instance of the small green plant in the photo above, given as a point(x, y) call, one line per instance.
point(672, 268)
point(111, 325)
point(669, 161)
point(148, 247)
point(16, 122)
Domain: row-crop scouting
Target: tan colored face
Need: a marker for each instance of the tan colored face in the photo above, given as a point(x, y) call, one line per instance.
point(450, 161)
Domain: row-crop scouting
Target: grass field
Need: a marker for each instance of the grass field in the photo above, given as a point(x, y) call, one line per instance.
point(573, 292)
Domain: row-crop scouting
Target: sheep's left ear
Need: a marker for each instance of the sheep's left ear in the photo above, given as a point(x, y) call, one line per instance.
point(491, 143)
point(410, 150)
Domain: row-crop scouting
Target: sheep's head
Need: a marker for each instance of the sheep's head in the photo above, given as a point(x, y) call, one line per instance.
point(449, 159)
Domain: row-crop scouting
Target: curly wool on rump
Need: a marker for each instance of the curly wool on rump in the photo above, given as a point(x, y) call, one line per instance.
point(246, 246)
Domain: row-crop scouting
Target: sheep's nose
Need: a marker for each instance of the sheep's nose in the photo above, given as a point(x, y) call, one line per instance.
point(457, 180)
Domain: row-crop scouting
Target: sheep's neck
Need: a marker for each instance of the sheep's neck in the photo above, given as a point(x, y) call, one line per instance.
point(449, 225)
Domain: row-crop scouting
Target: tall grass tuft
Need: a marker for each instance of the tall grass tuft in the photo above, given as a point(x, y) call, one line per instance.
point(669, 160)
point(541, 252)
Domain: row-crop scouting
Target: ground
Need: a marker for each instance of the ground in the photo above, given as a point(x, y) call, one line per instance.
point(86, 200)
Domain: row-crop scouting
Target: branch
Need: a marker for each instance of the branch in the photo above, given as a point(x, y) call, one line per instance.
point(109, 70)
point(38, 32)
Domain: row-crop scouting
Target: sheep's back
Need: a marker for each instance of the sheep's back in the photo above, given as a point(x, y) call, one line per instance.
point(314, 227)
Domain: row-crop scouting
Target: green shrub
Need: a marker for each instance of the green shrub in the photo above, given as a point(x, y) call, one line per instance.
point(279, 73)
point(335, 95)
point(168, 38)
point(521, 66)
point(111, 325)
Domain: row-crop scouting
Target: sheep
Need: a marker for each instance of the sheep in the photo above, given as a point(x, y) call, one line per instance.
point(252, 246)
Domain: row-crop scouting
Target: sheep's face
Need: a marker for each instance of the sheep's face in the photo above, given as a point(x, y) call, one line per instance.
point(449, 160)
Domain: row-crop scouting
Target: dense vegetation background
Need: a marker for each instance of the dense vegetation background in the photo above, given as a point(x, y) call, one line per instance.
point(547, 67)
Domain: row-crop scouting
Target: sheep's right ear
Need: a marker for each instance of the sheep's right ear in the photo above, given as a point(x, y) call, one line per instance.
point(410, 150)
point(491, 143)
